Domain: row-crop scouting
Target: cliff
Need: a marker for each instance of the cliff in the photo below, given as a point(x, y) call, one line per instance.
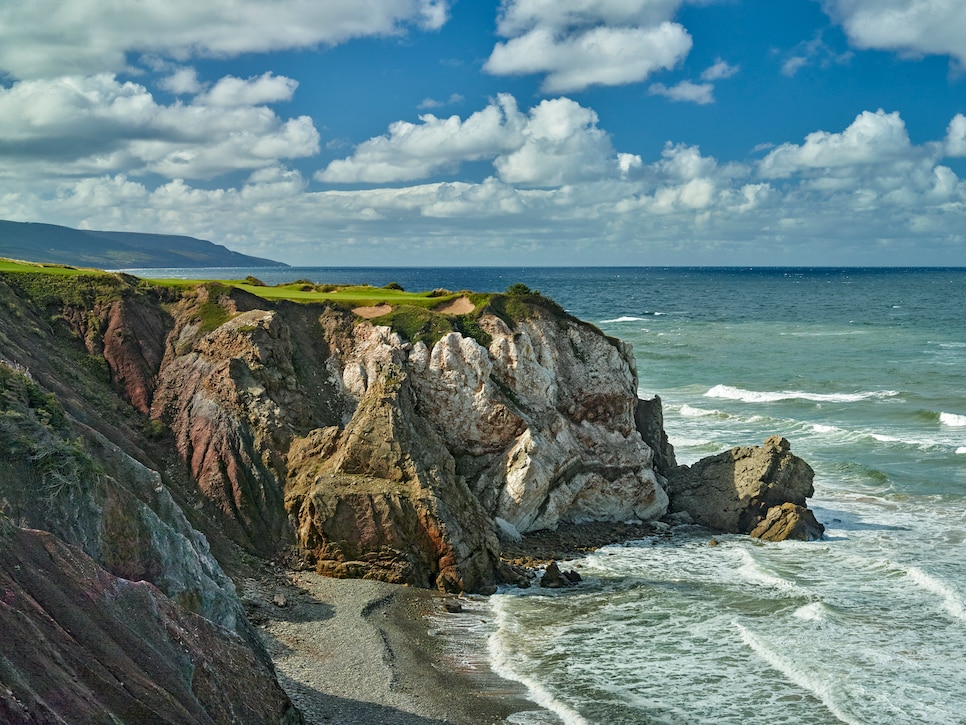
point(175, 436)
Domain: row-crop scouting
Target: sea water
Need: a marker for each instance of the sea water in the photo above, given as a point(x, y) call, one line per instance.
point(864, 371)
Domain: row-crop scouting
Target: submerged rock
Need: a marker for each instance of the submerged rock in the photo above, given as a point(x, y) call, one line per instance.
point(736, 491)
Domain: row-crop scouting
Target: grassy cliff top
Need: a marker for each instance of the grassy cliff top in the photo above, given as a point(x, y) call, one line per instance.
point(416, 316)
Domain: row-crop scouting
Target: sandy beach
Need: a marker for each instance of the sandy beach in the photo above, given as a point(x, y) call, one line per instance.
point(356, 651)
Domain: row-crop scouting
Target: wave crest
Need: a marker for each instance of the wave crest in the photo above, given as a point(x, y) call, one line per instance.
point(728, 392)
point(952, 420)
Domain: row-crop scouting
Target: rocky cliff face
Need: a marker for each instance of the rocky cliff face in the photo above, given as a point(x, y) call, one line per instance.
point(172, 434)
point(81, 645)
point(307, 430)
point(401, 460)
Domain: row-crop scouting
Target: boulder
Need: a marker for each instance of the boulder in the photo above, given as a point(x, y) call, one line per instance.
point(788, 521)
point(553, 578)
point(734, 491)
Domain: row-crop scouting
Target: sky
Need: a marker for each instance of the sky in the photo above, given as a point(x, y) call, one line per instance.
point(507, 133)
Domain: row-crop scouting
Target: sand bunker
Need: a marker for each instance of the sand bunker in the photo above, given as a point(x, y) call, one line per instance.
point(370, 312)
point(459, 306)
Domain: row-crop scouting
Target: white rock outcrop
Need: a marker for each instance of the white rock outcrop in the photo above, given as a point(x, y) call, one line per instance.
point(540, 421)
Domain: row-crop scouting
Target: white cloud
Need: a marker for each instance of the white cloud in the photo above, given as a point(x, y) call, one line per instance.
point(557, 143)
point(873, 139)
point(183, 81)
point(955, 142)
point(267, 88)
point(907, 26)
point(45, 38)
point(561, 145)
point(581, 43)
point(700, 93)
point(719, 71)
point(832, 198)
point(99, 124)
point(518, 16)
point(415, 151)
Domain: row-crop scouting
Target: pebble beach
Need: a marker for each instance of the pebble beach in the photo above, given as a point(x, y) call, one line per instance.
point(358, 652)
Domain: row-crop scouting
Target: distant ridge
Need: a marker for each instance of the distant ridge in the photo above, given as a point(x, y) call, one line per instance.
point(50, 243)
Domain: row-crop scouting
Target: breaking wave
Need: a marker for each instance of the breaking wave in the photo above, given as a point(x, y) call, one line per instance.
point(728, 392)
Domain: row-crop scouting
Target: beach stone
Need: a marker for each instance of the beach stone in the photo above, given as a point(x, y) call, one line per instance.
point(789, 521)
point(452, 606)
point(734, 491)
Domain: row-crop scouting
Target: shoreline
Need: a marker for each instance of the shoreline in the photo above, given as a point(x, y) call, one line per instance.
point(356, 651)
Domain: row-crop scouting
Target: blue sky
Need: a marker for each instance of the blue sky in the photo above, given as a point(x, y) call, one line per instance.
point(521, 132)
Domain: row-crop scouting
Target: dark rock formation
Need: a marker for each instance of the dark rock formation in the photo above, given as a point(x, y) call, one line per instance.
point(649, 420)
point(554, 578)
point(736, 491)
point(80, 645)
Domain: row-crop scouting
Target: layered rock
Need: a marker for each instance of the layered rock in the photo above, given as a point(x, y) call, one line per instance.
point(81, 645)
point(758, 490)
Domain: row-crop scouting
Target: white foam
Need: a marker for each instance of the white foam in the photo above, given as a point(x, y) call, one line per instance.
point(952, 602)
point(810, 612)
point(886, 439)
point(501, 662)
point(952, 420)
point(961, 451)
point(752, 571)
point(690, 412)
point(728, 392)
point(626, 318)
point(821, 690)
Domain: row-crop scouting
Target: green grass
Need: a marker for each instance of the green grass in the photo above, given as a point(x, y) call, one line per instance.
point(413, 316)
point(10, 265)
point(351, 295)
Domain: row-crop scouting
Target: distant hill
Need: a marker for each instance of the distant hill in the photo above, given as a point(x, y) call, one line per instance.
point(116, 250)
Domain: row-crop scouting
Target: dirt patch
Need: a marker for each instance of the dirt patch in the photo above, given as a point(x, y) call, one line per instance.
point(459, 306)
point(370, 312)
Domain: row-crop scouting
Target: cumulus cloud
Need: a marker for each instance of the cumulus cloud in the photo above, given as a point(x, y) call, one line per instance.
point(44, 38)
point(581, 43)
point(916, 27)
point(835, 196)
point(955, 142)
point(100, 124)
point(182, 81)
point(415, 151)
point(872, 139)
point(558, 142)
point(233, 92)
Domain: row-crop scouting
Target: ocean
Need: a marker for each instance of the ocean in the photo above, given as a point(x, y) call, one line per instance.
point(864, 372)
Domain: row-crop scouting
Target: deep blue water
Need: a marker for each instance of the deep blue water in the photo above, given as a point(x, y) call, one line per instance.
point(864, 371)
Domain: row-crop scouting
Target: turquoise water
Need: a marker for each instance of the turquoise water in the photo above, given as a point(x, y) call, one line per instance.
point(864, 371)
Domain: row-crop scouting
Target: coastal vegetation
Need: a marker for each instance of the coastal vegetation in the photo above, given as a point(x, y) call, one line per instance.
point(416, 316)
